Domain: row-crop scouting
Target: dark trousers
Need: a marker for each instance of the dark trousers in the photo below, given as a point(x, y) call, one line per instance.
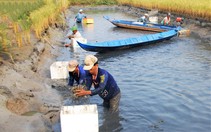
point(113, 104)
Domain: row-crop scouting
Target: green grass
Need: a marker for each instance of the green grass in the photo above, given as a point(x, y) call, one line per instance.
point(23, 16)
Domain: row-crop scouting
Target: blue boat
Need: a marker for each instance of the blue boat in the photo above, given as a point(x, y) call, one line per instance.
point(140, 25)
point(130, 42)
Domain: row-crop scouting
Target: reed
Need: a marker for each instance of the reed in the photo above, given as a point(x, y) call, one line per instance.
point(3, 37)
point(191, 8)
point(24, 16)
point(15, 15)
point(46, 15)
point(4, 41)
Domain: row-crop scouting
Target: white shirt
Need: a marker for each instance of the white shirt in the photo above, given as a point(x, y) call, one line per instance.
point(77, 35)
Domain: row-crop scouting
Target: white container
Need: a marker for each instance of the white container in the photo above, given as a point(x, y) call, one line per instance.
point(59, 70)
point(79, 118)
point(153, 19)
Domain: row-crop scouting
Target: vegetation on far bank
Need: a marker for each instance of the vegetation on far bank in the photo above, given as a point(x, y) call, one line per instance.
point(19, 18)
point(191, 8)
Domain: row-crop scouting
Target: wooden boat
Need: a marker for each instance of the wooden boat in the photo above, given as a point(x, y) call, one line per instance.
point(140, 25)
point(129, 42)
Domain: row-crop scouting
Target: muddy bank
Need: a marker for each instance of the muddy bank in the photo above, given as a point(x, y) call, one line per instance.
point(29, 98)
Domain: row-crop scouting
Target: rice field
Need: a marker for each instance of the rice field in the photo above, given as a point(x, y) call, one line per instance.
point(20, 18)
point(191, 8)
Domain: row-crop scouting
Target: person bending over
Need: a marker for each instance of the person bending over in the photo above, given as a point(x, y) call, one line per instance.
point(75, 36)
point(104, 84)
point(76, 73)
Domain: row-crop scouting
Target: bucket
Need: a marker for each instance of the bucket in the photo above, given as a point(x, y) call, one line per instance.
point(79, 118)
point(59, 70)
point(88, 20)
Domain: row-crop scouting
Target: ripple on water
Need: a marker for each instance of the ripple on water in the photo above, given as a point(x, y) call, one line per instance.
point(165, 86)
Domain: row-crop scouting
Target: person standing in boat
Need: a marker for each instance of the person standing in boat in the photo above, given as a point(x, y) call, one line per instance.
point(75, 36)
point(79, 17)
point(144, 18)
point(104, 84)
point(166, 20)
point(76, 73)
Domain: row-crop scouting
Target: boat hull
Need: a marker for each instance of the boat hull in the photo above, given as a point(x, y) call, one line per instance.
point(144, 28)
point(130, 42)
point(140, 25)
point(106, 49)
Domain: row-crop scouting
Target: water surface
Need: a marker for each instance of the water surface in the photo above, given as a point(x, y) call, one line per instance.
point(165, 86)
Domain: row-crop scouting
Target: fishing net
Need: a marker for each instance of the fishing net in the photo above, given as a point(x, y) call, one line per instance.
point(76, 99)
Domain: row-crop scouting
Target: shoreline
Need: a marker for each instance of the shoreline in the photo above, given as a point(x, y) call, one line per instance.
point(199, 28)
point(28, 96)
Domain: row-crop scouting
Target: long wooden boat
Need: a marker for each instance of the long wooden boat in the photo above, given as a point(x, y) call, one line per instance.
point(129, 42)
point(140, 25)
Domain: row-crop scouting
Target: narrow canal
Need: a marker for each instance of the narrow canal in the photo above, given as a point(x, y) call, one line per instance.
point(165, 86)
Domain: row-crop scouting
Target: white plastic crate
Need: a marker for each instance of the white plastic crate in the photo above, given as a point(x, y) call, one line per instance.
point(79, 118)
point(59, 70)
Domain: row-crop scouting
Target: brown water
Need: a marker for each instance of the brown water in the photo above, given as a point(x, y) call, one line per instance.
point(165, 86)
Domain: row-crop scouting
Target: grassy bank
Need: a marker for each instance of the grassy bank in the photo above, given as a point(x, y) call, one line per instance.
point(20, 18)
